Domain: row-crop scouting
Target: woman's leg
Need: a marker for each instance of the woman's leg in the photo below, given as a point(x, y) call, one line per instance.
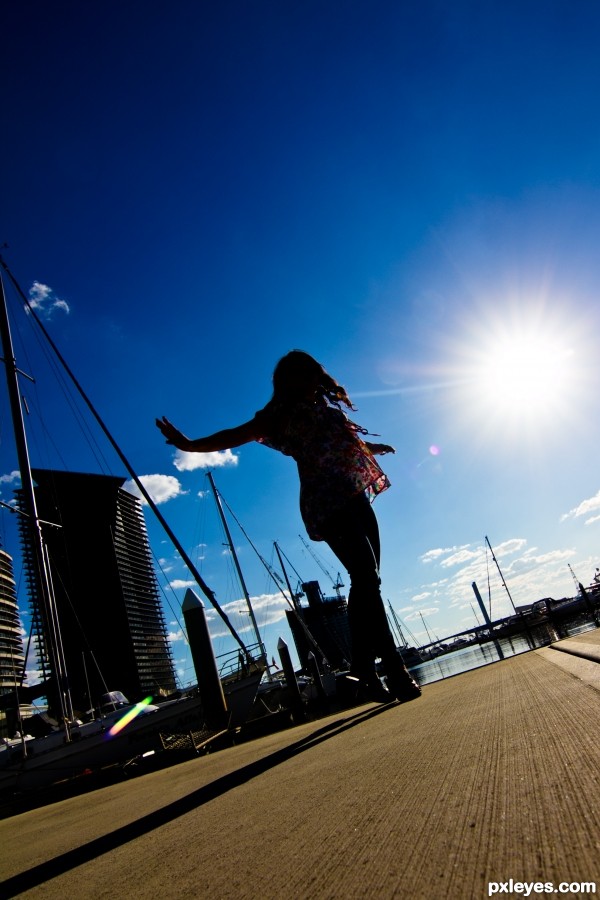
point(353, 535)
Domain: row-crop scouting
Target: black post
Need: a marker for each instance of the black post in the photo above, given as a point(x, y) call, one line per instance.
point(488, 621)
point(296, 704)
point(205, 664)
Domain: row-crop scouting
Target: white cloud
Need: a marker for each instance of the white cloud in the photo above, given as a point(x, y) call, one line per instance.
point(15, 475)
point(510, 546)
point(33, 677)
point(178, 584)
point(44, 301)
point(583, 509)
point(431, 611)
point(432, 555)
point(188, 462)
point(528, 562)
point(175, 636)
point(268, 609)
point(460, 557)
point(160, 487)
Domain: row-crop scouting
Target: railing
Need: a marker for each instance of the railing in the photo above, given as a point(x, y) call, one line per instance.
point(235, 665)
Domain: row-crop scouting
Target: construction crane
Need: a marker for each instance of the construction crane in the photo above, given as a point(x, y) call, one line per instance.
point(590, 605)
point(336, 584)
point(578, 584)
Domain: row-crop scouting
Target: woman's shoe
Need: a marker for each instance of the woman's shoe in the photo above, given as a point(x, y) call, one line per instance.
point(370, 688)
point(375, 691)
point(404, 691)
point(399, 681)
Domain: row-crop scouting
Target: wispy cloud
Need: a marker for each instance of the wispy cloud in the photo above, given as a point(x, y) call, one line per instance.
point(460, 558)
point(188, 462)
point(268, 609)
point(13, 476)
point(433, 555)
point(44, 301)
point(175, 636)
point(160, 487)
point(592, 505)
point(428, 611)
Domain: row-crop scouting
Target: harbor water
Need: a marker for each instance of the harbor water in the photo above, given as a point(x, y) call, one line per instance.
point(446, 665)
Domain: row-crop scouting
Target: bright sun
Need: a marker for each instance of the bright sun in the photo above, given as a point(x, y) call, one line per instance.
point(525, 374)
point(520, 373)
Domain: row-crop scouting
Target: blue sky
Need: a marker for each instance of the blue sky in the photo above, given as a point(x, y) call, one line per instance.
point(409, 192)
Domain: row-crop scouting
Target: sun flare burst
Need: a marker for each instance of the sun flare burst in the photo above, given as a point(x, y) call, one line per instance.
point(520, 372)
point(525, 375)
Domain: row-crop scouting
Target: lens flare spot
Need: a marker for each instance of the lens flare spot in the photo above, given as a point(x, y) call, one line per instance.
point(434, 450)
point(129, 716)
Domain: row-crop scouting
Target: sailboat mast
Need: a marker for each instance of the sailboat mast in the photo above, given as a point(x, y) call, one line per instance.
point(43, 584)
point(240, 574)
point(501, 575)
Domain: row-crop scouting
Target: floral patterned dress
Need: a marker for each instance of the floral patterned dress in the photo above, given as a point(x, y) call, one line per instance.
point(334, 463)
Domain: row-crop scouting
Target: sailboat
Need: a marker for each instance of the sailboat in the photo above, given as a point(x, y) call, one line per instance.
point(124, 730)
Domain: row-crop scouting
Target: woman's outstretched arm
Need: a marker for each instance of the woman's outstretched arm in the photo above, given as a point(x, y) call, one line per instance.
point(221, 440)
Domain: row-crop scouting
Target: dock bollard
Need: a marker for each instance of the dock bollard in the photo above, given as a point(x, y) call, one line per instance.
point(205, 664)
point(296, 704)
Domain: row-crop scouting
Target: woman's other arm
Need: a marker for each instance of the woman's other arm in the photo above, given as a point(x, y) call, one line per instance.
point(379, 449)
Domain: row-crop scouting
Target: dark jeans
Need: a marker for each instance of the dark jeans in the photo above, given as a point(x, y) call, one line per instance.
point(353, 535)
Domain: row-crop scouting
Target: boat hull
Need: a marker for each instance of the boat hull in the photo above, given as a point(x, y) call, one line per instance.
point(50, 760)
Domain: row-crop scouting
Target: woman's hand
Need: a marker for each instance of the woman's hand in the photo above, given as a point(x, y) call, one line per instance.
point(380, 449)
point(172, 434)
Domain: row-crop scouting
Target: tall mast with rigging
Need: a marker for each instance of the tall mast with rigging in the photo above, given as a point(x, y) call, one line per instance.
point(40, 559)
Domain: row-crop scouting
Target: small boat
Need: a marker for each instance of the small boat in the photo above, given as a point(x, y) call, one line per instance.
point(117, 734)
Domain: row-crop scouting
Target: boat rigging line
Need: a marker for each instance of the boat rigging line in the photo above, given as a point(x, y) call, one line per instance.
point(238, 568)
point(294, 596)
point(517, 613)
point(501, 575)
point(292, 599)
point(272, 573)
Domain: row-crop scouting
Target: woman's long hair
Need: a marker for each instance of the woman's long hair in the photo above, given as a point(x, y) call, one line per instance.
point(298, 373)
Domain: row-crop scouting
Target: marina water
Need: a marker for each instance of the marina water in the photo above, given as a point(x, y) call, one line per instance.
point(472, 657)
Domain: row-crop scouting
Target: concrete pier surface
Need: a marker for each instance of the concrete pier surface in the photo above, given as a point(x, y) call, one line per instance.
point(493, 776)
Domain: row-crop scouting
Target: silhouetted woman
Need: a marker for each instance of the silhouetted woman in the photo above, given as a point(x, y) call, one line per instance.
point(339, 476)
